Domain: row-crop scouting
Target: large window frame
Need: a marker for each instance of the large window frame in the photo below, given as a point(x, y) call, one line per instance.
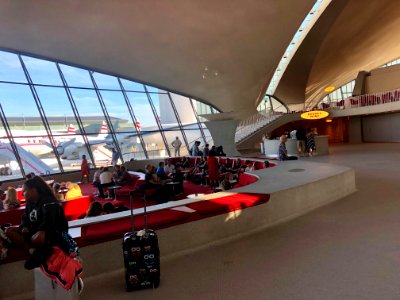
point(61, 80)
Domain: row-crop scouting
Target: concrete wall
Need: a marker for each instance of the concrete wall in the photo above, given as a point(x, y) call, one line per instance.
point(381, 128)
point(355, 130)
point(383, 79)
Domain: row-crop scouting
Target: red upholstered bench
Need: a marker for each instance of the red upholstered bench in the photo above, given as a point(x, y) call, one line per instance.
point(258, 165)
point(12, 215)
point(116, 228)
point(74, 208)
point(116, 203)
point(245, 179)
point(229, 203)
point(20, 194)
point(126, 189)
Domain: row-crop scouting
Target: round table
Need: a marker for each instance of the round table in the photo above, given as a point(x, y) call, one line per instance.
point(173, 183)
point(114, 188)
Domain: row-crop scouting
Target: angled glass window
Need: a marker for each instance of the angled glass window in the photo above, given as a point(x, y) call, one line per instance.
point(131, 86)
point(79, 116)
point(9, 167)
point(147, 125)
point(28, 129)
point(42, 71)
point(76, 77)
point(106, 81)
point(89, 109)
point(10, 68)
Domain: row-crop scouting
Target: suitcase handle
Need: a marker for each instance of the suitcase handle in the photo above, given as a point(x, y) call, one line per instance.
point(131, 207)
point(143, 195)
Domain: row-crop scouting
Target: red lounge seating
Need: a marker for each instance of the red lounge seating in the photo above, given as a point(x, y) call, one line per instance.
point(116, 228)
point(207, 207)
point(74, 208)
point(245, 179)
point(258, 165)
point(12, 215)
point(229, 203)
point(126, 189)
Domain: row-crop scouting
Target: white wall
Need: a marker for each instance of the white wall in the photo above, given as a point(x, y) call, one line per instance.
point(383, 79)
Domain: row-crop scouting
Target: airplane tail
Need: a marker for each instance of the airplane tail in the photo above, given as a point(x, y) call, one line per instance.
point(103, 130)
point(71, 129)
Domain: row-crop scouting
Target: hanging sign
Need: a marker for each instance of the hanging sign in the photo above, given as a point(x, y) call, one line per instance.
point(314, 115)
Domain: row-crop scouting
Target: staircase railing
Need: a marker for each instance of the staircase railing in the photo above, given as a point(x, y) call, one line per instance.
point(254, 123)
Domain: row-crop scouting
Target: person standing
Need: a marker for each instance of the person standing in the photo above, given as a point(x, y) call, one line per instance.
point(206, 150)
point(310, 142)
point(85, 170)
point(293, 134)
point(195, 151)
point(177, 146)
point(213, 173)
point(115, 156)
point(301, 141)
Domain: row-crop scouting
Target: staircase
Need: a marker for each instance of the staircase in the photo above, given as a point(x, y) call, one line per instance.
point(250, 131)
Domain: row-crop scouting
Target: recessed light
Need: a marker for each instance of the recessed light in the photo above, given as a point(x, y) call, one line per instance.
point(329, 89)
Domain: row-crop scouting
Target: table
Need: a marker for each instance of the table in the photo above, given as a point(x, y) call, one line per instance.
point(185, 174)
point(114, 188)
point(173, 183)
point(201, 175)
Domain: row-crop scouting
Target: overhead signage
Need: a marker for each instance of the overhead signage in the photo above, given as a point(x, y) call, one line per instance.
point(314, 115)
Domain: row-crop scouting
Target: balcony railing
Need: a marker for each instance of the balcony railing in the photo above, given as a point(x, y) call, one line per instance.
point(363, 100)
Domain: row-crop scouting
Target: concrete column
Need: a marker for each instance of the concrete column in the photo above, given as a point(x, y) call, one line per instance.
point(223, 133)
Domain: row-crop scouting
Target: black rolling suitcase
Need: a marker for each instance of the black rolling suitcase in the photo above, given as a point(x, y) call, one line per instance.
point(141, 254)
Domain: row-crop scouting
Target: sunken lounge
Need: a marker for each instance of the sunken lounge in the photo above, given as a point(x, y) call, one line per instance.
point(194, 221)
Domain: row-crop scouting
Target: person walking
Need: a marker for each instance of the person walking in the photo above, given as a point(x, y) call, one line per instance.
point(177, 146)
point(85, 170)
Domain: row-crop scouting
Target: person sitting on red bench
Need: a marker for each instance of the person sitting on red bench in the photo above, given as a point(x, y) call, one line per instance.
point(124, 178)
point(43, 223)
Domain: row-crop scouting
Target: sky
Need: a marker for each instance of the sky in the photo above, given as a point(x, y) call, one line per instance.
point(17, 99)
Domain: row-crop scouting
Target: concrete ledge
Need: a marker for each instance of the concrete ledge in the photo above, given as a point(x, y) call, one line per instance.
point(189, 237)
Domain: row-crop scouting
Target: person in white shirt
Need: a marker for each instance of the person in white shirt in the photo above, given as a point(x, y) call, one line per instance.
point(177, 146)
point(169, 168)
point(106, 179)
point(293, 134)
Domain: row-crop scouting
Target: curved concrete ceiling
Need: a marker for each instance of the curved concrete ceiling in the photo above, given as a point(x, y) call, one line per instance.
point(164, 43)
point(350, 36)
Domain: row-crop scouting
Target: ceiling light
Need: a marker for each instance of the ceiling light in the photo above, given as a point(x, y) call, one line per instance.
point(329, 89)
